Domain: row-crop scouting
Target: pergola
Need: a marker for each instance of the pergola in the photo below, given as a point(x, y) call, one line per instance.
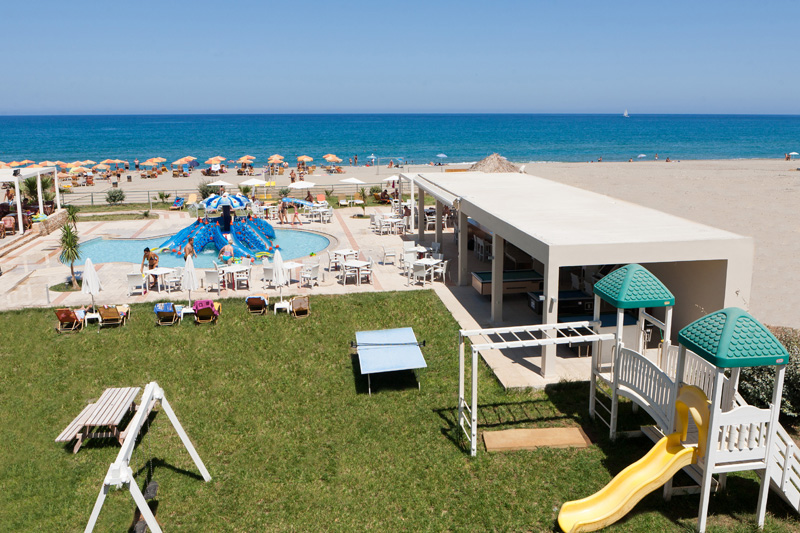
point(562, 226)
point(7, 175)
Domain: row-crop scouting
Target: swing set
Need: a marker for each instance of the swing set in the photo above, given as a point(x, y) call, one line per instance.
point(120, 473)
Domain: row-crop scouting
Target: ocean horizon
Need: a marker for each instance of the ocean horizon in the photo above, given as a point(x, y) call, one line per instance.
point(417, 138)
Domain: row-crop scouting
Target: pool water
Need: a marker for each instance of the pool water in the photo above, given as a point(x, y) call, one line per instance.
point(293, 244)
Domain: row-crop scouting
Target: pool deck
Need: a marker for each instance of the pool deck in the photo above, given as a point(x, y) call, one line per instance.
point(32, 267)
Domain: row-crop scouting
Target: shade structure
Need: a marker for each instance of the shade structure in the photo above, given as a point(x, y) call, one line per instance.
point(254, 182)
point(44, 163)
point(78, 169)
point(108, 161)
point(91, 281)
point(26, 162)
point(101, 166)
point(158, 159)
point(305, 159)
point(353, 181)
point(296, 201)
point(189, 279)
point(220, 183)
point(276, 156)
point(633, 287)
point(302, 185)
point(216, 201)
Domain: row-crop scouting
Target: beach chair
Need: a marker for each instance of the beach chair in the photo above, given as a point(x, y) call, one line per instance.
point(167, 314)
point(206, 311)
point(10, 224)
point(342, 200)
point(299, 307)
point(177, 205)
point(258, 304)
point(176, 173)
point(69, 320)
point(114, 315)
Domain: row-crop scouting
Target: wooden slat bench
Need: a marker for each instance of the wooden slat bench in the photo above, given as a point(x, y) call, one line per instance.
point(107, 412)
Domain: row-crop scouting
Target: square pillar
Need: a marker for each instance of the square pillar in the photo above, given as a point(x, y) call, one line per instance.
point(463, 252)
point(550, 315)
point(420, 215)
point(58, 195)
point(439, 215)
point(498, 244)
point(39, 191)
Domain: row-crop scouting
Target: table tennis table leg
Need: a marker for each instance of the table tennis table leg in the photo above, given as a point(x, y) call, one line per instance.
point(369, 385)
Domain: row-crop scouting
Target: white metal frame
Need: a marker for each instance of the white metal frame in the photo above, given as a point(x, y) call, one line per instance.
point(568, 333)
point(120, 473)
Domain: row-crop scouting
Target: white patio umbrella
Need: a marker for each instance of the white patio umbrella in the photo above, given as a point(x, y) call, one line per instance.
point(280, 276)
point(189, 279)
point(640, 156)
point(91, 281)
point(354, 181)
point(793, 154)
point(221, 183)
point(391, 178)
point(302, 185)
point(254, 182)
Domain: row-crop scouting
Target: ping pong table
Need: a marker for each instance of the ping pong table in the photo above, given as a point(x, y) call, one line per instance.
point(388, 350)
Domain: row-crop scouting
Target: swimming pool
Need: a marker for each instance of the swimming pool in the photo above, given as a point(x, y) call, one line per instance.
point(293, 243)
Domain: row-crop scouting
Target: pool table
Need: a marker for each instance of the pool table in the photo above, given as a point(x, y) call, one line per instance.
point(570, 302)
point(514, 281)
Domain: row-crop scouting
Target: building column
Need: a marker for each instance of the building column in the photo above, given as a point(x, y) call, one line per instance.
point(463, 251)
point(19, 205)
point(498, 258)
point(550, 315)
point(439, 215)
point(58, 195)
point(411, 203)
point(420, 215)
point(39, 191)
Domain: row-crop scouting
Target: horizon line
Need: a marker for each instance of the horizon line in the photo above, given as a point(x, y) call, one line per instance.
point(453, 113)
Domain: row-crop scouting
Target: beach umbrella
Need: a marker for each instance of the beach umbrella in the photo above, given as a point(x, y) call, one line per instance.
point(91, 281)
point(220, 183)
point(62, 175)
point(641, 156)
point(26, 162)
point(280, 276)
point(215, 201)
point(441, 156)
point(326, 156)
point(48, 163)
point(296, 201)
point(330, 157)
point(36, 166)
point(301, 185)
point(14, 164)
point(101, 166)
point(89, 162)
point(189, 279)
point(305, 159)
point(78, 169)
point(158, 159)
point(390, 178)
point(108, 161)
point(372, 157)
point(793, 154)
point(354, 181)
point(4, 165)
point(254, 182)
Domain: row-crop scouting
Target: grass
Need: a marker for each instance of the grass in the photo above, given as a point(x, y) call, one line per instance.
point(279, 413)
point(115, 216)
point(66, 286)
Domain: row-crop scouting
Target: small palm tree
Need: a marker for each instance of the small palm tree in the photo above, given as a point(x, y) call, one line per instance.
point(72, 215)
point(70, 250)
point(30, 190)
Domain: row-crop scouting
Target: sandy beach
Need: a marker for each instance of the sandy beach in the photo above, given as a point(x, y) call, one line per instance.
point(755, 198)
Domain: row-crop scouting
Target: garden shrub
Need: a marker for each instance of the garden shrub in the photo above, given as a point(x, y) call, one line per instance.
point(115, 196)
point(755, 384)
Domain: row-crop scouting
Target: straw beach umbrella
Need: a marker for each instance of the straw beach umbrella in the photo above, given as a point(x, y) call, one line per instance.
point(91, 281)
point(493, 164)
point(305, 159)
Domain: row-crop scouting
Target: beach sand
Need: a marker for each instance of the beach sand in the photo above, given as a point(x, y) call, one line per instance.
point(755, 198)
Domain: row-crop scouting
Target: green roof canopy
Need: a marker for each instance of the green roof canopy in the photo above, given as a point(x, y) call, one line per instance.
point(632, 287)
point(732, 338)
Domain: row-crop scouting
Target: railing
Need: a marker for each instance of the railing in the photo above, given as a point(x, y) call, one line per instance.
point(642, 381)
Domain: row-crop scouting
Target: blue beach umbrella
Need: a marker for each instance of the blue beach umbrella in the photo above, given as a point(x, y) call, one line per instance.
point(297, 201)
point(216, 201)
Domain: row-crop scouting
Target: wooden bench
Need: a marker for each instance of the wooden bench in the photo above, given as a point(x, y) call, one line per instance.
point(107, 412)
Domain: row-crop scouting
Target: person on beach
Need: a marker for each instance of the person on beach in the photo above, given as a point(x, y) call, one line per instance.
point(221, 190)
point(656, 157)
point(391, 163)
point(292, 176)
point(309, 198)
point(152, 262)
point(136, 164)
point(226, 254)
point(355, 159)
point(351, 161)
point(385, 196)
point(9, 195)
point(188, 250)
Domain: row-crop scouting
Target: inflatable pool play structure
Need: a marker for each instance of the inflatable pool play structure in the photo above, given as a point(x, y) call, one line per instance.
point(249, 237)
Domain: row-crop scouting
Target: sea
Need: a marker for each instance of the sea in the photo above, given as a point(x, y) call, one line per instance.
point(416, 138)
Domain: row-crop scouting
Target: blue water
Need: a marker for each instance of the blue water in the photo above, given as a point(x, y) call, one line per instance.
point(293, 243)
point(418, 138)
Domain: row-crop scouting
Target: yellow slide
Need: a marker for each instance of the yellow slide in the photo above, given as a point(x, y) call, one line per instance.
point(647, 474)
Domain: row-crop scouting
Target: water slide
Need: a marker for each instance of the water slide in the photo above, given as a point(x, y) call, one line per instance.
point(179, 239)
point(220, 240)
point(661, 463)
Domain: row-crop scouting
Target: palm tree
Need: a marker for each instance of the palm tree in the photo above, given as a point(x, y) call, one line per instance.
point(31, 192)
point(70, 250)
point(72, 215)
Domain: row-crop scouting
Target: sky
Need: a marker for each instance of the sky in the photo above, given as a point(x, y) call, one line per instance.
point(506, 56)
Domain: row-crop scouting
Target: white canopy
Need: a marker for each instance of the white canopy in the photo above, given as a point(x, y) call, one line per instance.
point(7, 175)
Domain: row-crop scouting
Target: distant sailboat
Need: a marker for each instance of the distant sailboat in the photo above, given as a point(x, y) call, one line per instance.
point(625, 114)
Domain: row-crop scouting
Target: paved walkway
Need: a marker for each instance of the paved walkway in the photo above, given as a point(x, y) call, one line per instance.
point(29, 270)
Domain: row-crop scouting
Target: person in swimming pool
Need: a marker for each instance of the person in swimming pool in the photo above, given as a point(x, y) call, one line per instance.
point(189, 249)
point(226, 254)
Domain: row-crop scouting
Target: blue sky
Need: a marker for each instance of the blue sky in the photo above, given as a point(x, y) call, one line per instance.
point(416, 56)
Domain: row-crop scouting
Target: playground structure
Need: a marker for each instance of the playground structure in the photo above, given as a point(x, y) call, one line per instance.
point(120, 473)
point(738, 437)
point(249, 237)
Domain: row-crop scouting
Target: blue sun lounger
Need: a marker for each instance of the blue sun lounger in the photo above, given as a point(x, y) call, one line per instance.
point(388, 350)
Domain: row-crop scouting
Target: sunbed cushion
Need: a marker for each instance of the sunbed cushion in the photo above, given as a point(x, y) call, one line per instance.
point(199, 305)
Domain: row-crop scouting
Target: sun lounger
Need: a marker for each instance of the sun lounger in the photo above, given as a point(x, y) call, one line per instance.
point(69, 320)
point(108, 411)
point(257, 304)
point(300, 308)
point(114, 315)
point(206, 311)
point(177, 204)
point(167, 314)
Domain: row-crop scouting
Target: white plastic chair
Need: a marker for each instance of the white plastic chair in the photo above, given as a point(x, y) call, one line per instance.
point(387, 253)
point(440, 270)
point(419, 272)
point(136, 283)
point(366, 272)
point(311, 274)
point(269, 274)
point(436, 247)
point(212, 278)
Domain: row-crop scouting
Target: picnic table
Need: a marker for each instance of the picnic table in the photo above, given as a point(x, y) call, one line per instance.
point(108, 412)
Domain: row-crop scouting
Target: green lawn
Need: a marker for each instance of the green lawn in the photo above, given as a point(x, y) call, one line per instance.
point(279, 414)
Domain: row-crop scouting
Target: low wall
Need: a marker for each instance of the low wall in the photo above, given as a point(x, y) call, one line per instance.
point(53, 222)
